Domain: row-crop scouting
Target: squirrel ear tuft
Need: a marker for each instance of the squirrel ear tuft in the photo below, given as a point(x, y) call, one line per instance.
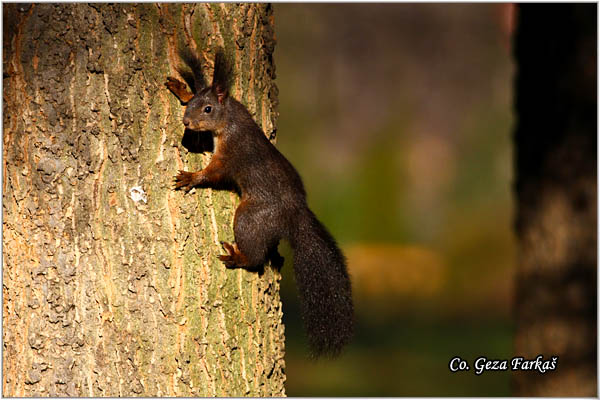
point(193, 74)
point(221, 76)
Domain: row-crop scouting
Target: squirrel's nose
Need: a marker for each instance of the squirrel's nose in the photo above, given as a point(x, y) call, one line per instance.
point(186, 121)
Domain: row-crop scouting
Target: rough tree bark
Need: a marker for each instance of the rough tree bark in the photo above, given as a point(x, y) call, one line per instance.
point(556, 197)
point(111, 282)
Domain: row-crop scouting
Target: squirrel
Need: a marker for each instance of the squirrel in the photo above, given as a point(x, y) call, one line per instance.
point(273, 204)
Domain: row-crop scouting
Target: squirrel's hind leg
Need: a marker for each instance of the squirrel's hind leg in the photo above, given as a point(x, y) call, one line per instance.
point(254, 238)
point(237, 259)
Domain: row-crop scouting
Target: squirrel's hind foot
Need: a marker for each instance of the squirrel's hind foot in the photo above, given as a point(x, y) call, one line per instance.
point(237, 259)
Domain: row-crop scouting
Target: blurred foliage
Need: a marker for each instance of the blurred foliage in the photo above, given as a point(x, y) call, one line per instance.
point(398, 118)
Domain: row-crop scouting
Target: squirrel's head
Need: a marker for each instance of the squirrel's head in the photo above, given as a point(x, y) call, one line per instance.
point(206, 110)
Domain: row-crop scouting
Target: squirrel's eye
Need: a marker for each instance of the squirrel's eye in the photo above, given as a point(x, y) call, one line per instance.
point(207, 109)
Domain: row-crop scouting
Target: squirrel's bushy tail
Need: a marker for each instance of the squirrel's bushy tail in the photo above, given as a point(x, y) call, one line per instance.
point(323, 285)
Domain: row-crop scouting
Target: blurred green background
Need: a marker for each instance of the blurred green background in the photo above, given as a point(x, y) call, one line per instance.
point(398, 117)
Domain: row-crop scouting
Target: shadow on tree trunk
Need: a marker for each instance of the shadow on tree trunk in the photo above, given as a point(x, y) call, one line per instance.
point(556, 197)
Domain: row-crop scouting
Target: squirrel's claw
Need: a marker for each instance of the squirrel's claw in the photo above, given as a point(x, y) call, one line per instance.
point(228, 261)
point(228, 248)
point(184, 180)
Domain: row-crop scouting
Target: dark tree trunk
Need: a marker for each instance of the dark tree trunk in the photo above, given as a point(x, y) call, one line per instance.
point(112, 286)
point(556, 195)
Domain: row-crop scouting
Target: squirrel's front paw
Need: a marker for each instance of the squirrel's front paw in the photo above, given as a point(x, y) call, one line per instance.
point(184, 180)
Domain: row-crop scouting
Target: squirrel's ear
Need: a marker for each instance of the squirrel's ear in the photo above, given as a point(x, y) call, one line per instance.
point(220, 92)
point(221, 76)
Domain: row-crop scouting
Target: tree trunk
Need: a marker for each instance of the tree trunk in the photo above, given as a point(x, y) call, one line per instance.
point(556, 196)
point(112, 286)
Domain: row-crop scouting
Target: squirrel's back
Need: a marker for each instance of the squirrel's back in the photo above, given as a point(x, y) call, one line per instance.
point(264, 172)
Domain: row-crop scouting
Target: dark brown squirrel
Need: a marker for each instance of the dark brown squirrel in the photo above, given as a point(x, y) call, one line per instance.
point(273, 204)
